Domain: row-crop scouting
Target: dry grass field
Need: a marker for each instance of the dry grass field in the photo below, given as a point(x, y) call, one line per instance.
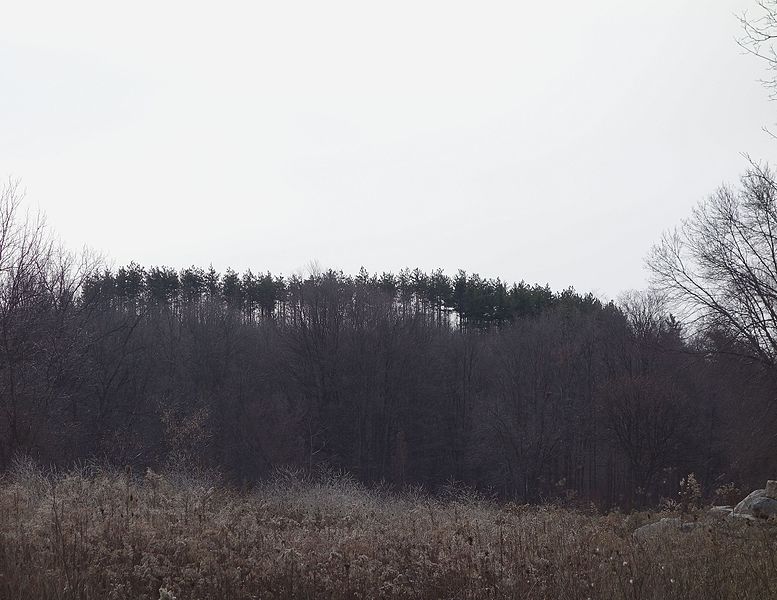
point(101, 534)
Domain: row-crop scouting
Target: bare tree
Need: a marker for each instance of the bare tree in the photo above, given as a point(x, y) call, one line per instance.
point(23, 247)
point(759, 34)
point(651, 422)
point(720, 266)
point(39, 319)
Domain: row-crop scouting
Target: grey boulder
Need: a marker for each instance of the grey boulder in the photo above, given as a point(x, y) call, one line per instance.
point(764, 508)
point(771, 489)
point(720, 512)
point(746, 506)
point(656, 529)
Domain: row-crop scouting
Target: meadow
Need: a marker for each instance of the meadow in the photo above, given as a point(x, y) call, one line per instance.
point(97, 533)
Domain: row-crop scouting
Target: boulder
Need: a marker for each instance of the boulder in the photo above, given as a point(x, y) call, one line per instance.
point(655, 529)
point(746, 506)
point(765, 508)
point(741, 517)
point(720, 512)
point(771, 489)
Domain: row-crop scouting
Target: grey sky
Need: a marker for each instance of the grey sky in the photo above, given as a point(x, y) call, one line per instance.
point(551, 142)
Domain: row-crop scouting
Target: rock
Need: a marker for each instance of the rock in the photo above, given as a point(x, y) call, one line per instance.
point(765, 508)
point(690, 526)
point(771, 489)
point(741, 517)
point(746, 506)
point(654, 529)
point(720, 512)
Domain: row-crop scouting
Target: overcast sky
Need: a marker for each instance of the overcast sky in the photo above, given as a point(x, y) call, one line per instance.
point(550, 142)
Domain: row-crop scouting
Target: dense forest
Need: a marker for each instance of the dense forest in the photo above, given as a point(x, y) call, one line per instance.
point(404, 379)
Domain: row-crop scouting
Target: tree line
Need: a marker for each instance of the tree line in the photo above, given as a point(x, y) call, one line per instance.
point(468, 300)
point(407, 379)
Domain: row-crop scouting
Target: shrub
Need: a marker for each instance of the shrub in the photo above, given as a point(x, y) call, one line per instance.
point(690, 493)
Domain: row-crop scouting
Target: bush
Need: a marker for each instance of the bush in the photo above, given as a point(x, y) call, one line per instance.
point(728, 494)
point(690, 493)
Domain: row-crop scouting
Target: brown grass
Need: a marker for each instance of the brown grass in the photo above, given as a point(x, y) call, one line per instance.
point(102, 534)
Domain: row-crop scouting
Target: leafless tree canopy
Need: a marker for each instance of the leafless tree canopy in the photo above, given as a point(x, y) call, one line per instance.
point(759, 32)
point(720, 266)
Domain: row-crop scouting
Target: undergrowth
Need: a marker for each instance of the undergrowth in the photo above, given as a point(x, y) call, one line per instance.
point(96, 533)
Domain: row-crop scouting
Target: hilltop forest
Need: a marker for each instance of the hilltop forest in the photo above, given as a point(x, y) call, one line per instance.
point(403, 379)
